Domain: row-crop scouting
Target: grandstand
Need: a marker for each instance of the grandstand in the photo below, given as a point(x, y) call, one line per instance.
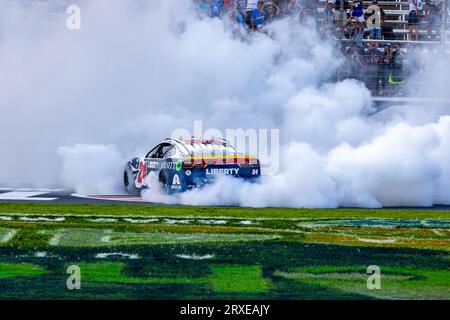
point(384, 65)
point(396, 20)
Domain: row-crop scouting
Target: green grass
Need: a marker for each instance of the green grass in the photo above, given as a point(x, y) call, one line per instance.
point(396, 282)
point(14, 270)
point(238, 278)
point(289, 254)
point(147, 210)
point(113, 272)
point(29, 238)
point(75, 237)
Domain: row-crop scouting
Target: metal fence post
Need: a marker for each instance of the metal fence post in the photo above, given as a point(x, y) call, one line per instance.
point(444, 23)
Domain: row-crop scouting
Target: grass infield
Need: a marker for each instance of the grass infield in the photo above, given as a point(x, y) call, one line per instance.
point(162, 252)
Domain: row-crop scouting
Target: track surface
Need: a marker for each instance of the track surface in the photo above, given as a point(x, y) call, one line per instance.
point(63, 196)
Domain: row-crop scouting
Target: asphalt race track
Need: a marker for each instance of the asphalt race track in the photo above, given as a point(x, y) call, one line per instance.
point(63, 196)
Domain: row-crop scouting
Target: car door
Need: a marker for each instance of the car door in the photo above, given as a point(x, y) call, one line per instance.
point(152, 162)
point(155, 158)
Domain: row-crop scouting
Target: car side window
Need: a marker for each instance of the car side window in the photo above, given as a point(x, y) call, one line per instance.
point(170, 152)
point(159, 151)
point(153, 152)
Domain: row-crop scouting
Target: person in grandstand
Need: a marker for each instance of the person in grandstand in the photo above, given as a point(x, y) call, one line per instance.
point(357, 32)
point(241, 6)
point(258, 17)
point(433, 17)
point(357, 11)
point(295, 8)
point(237, 22)
point(387, 60)
point(271, 10)
point(415, 7)
point(216, 8)
point(327, 23)
point(374, 69)
point(202, 7)
point(358, 64)
point(375, 20)
point(340, 14)
point(395, 79)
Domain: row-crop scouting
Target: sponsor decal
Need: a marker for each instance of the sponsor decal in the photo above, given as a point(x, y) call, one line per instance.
point(176, 180)
point(188, 172)
point(176, 184)
point(179, 165)
point(153, 165)
point(142, 173)
point(255, 172)
point(168, 165)
point(232, 171)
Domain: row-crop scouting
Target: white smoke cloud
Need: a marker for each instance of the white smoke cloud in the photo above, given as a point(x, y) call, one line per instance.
point(92, 168)
point(76, 104)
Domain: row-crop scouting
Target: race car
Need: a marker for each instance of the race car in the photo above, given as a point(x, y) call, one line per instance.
point(180, 165)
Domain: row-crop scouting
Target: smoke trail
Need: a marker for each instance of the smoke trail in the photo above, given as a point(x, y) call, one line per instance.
point(75, 104)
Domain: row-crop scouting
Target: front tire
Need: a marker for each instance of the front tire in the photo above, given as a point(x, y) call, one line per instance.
point(164, 182)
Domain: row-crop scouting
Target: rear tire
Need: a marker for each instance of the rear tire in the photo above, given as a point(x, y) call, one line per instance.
point(128, 180)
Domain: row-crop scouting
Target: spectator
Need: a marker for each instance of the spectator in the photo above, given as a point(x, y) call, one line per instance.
point(375, 20)
point(238, 24)
point(374, 70)
point(357, 64)
point(357, 32)
point(387, 61)
point(357, 11)
point(241, 6)
point(327, 24)
point(340, 14)
point(227, 5)
point(395, 78)
point(257, 17)
point(295, 8)
point(414, 18)
point(217, 8)
point(203, 7)
point(271, 10)
point(433, 17)
point(310, 9)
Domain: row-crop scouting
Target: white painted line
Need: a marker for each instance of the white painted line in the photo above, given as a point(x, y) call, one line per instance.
point(58, 219)
point(25, 196)
point(46, 190)
point(140, 220)
point(115, 254)
point(116, 197)
point(377, 240)
point(8, 236)
point(195, 257)
point(56, 238)
point(101, 220)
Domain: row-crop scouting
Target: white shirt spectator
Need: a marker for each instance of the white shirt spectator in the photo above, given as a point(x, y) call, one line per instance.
point(415, 5)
